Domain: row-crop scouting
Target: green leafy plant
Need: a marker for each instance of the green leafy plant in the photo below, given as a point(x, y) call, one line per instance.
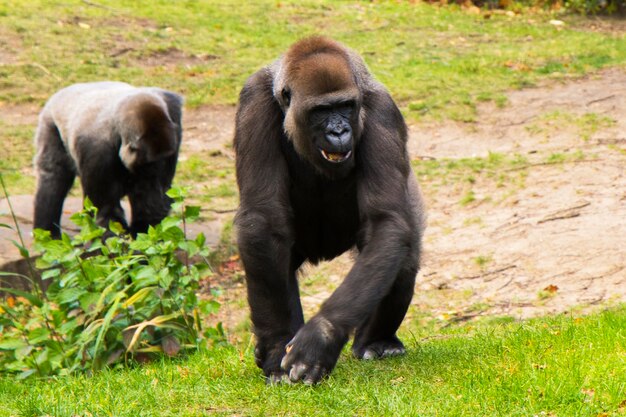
point(110, 300)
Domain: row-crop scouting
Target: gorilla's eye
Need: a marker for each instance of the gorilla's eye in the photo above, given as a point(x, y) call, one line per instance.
point(286, 96)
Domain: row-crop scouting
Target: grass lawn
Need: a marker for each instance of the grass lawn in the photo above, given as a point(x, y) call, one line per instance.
point(561, 366)
point(438, 62)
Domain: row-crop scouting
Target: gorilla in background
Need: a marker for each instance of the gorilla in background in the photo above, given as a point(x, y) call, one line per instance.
point(322, 167)
point(120, 140)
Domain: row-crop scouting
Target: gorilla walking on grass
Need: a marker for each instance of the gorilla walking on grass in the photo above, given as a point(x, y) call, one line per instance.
point(120, 140)
point(322, 167)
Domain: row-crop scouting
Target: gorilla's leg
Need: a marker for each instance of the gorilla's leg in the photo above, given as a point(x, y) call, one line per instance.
point(376, 337)
point(56, 173)
point(103, 185)
point(149, 204)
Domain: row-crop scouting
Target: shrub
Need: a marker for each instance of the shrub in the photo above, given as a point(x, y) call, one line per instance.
point(578, 6)
point(596, 6)
point(110, 301)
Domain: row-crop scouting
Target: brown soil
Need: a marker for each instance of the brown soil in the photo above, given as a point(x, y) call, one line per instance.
point(556, 244)
point(559, 243)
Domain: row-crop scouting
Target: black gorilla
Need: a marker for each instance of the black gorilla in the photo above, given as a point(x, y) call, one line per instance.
point(121, 140)
point(322, 167)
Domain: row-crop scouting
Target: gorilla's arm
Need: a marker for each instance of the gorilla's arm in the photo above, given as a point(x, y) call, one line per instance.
point(388, 240)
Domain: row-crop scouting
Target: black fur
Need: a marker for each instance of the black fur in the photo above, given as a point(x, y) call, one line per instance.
point(296, 207)
point(120, 140)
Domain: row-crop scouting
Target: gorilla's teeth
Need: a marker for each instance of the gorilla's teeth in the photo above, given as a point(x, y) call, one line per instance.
point(335, 156)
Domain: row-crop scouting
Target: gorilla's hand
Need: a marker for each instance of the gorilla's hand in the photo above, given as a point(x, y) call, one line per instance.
point(313, 352)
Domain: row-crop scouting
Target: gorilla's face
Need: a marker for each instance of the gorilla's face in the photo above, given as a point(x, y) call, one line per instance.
point(324, 128)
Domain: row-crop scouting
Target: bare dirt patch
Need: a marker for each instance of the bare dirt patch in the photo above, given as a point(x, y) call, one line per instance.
point(19, 114)
point(174, 57)
point(558, 242)
point(555, 243)
point(10, 46)
point(208, 128)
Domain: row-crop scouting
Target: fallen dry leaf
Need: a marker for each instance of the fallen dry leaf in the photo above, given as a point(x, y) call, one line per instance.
point(551, 289)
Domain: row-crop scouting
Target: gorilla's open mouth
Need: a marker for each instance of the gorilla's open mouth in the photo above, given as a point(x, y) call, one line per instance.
point(336, 157)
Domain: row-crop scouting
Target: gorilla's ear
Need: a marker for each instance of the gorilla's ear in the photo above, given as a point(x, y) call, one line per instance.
point(130, 157)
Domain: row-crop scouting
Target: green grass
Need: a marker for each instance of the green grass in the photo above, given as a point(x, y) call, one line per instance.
point(436, 61)
point(561, 366)
point(585, 125)
point(16, 161)
point(495, 178)
point(472, 178)
point(211, 178)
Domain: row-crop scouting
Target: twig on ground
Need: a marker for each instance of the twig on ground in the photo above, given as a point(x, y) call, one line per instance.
point(600, 99)
point(528, 119)
point(495, 271)
point(100, 6)
point(592, 301)
point(460, 318)
point(44, 69)
point(222, 211)
point(613, 271)
point(551, 163)
point(507, 283)
point(120, 52)
point(610, 141)
point(565, 213)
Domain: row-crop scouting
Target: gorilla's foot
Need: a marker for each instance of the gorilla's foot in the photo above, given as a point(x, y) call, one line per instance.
point(379, 349)
point(277, 377)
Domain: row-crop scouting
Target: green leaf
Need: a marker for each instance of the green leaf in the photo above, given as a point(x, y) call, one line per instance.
point(189, 246)
point(12, 344)
point(32, 298)
point(107, 321)
point(23, 251)
point(26, 374)
point(200, 239)
point(138, 296)
point(69, 326)
point(88, 300)
point(177, 193)
point(38, 335)
point(145, 277)
point(209, 306)
point(21, 353)
point(50, 273)
point(165, 278)
point(116, 228)
point(6, 226)
point(69, 295)
point(191, 212)
point(170, 222)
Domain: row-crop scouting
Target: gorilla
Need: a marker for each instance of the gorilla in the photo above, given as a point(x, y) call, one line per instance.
point(322, 167)
point(120, 140)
